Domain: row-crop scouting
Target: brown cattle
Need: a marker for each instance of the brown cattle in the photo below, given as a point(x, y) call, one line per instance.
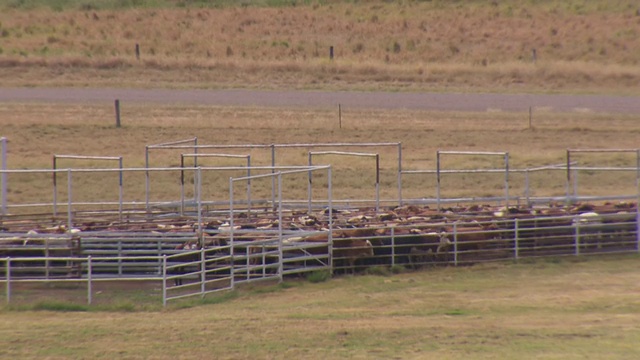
point(346, 252)
point(475, 238)
point(433, 247)
point(349, 245)
point(188, 253)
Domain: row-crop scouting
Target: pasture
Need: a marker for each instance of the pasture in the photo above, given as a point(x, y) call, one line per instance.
point(37, 131)
point(569, 309)
point(548, 308)
point(580, 46)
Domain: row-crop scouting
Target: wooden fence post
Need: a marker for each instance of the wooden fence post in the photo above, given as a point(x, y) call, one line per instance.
point(533, 55)
point(117, 103)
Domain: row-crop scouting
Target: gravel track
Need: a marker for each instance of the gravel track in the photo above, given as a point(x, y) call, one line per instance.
point(324, 99)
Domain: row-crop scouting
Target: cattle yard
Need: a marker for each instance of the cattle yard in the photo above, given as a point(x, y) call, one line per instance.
point(264, 220)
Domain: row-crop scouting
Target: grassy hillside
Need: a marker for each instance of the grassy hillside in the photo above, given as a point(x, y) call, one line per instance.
point(585, 46)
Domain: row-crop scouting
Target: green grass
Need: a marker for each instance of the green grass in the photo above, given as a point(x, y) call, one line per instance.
point(565, 308)
point(318, 276)
point(126, 305)
point(59, 306)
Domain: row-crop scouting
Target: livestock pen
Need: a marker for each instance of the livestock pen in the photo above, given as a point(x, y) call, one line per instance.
point(270, 222)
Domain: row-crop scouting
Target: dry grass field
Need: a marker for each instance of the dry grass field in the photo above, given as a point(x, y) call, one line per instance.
point(36, 131)
point(580, 46)
point(559, 309)
point(568, 309)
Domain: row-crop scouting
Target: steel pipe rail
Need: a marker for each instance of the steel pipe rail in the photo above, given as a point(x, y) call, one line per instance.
point(177, 142)
point(345, 153)
point(273, 148)
point(196, 156)
point(505, 155)
point(447, 152)
point(86, 157)
point(637, 168)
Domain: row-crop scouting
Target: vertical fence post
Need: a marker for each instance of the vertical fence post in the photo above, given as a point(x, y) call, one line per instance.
point(330, 201)
point(3, 177)
point(331, 52)
point(89, 280)
point(119, 257)
point(280, 254)
point(637, 199)
point(377, 183)
point(273, 179)
point(568, 181)
point(8, 272)
point(199, 198)
point(310, 185)
point(164, 280)
point(527, 192)
point(203, 271)
point(438, 179)
point(455, 245)
point(159, 251)
point(195, 160)
point(146, 178)
point(534, 56)
point(55, 187)
point(117, 106)
point(393, 247)
point(231, 240)
point(69, 187)
point(399, 174)
point(182, 184)
point(137, 51)
point(506, 180)
point(47, 262)
point(516, 238)
point(248, 186)
point(576, 223)
point(121, 190)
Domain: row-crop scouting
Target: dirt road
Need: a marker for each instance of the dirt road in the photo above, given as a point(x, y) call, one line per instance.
point(320, 99)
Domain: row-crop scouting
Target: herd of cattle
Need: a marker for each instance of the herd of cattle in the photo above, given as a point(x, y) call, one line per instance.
point(348, 240)
point(415, 236)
